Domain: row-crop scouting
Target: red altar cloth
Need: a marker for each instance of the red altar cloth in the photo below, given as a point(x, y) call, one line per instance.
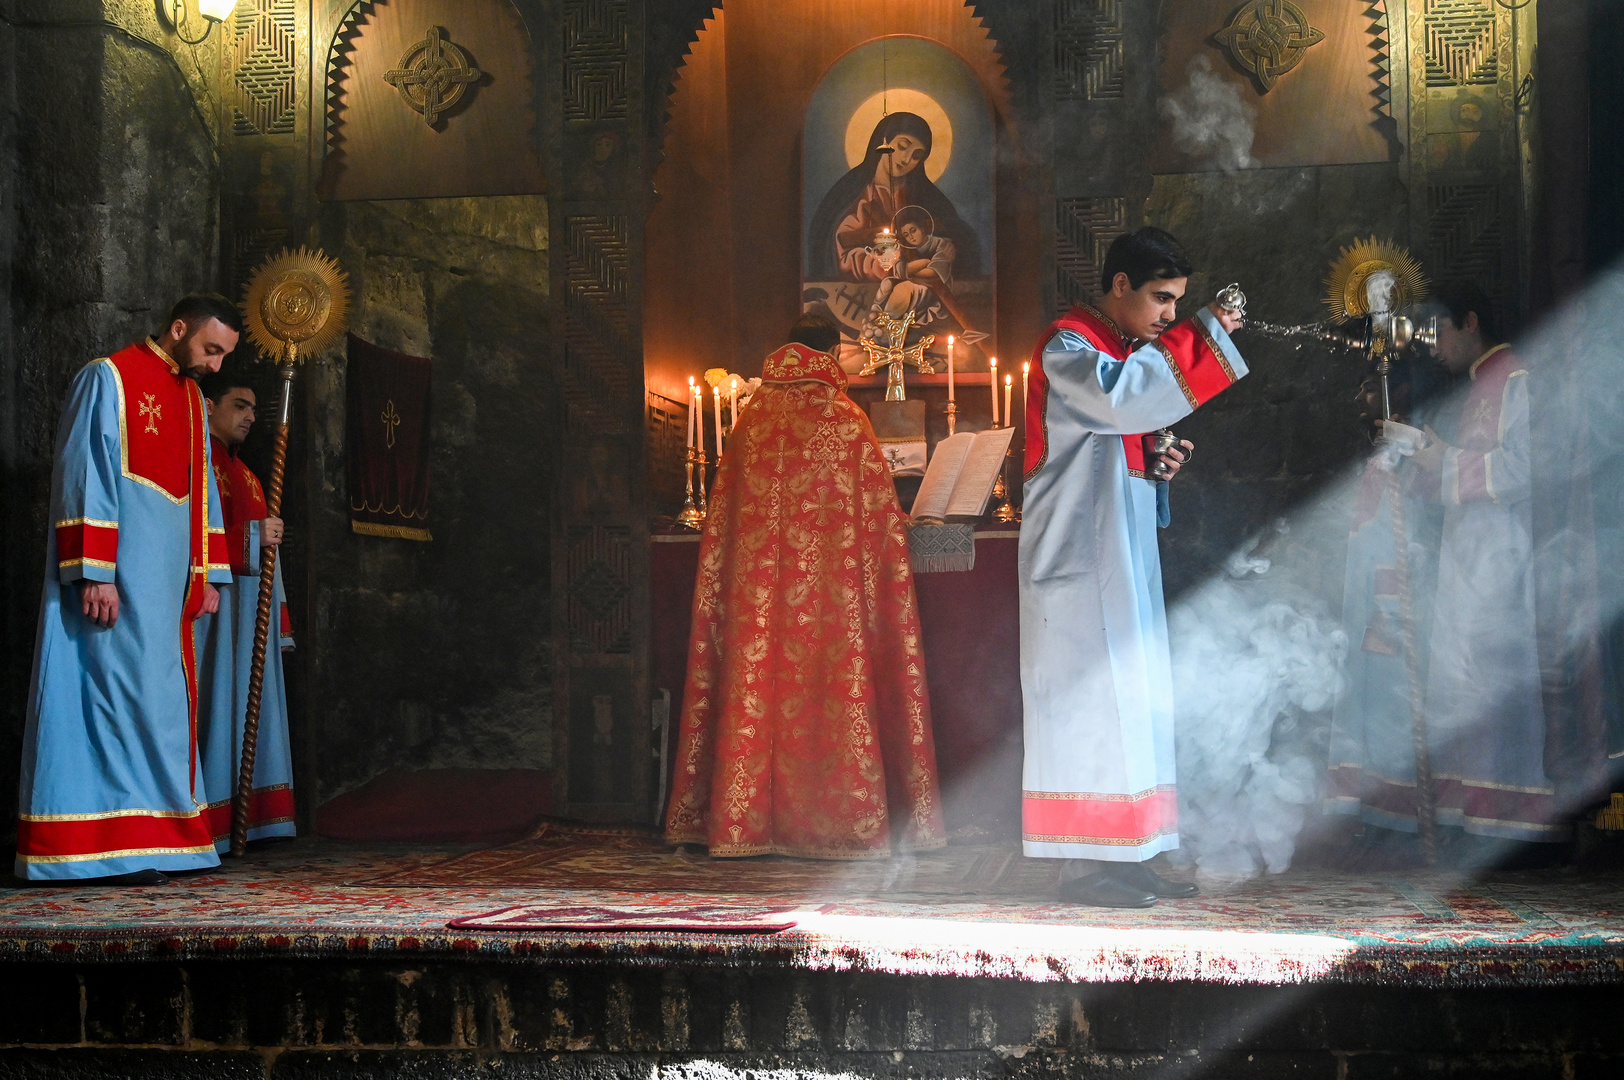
point(971, 625)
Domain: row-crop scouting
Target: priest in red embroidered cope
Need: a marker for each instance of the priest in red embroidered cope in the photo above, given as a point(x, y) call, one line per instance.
point(1096, 676)
point(225, 640)
point(806, 722)
point(110, 780)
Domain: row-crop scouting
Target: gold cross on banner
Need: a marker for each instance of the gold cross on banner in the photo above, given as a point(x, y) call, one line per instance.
point(152, 411)
point(897, 354)
point(432, 76)
point(391, 421)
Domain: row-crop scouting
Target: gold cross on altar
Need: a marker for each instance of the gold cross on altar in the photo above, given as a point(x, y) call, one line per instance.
point(897, 354)
point(391, 421)
point(152, 411)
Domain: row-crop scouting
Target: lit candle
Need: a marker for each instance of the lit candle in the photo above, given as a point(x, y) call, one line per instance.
point(690, 412)
point(733, 405)
point(950, 367)
point(698, 409)
point(716, 393)
point(1009, 388)
point(1026, 375)
point(992, 364)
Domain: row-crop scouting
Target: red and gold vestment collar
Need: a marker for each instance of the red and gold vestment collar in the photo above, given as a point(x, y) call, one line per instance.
point(800, 363)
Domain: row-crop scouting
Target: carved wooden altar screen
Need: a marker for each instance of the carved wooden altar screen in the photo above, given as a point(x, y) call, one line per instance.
point(600, 531)
point(1469, 85)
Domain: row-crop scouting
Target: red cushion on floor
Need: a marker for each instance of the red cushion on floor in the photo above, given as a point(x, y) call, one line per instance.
point(440, 804)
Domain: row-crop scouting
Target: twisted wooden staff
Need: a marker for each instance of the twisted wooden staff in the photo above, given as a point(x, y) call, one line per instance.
point(262, 619)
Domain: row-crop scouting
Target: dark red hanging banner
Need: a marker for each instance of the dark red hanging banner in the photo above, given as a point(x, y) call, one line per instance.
point(387, 432)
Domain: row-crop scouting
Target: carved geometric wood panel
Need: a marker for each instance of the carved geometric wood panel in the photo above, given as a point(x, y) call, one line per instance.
point(597, 374)
point(1087, 49)
point(1460, 43)
point(265, 66)
point(598, 590)
point(381, 147)
point(667, 439)
point(1465, 236)
point(1084, 230)
point(595, 56)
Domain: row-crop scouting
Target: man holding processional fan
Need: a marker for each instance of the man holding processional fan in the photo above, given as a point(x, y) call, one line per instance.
point(110, 789)
point(225, 640)
point(296, 300)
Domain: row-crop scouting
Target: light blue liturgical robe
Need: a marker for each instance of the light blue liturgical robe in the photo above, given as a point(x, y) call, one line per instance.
point(1096, 674)
point(111, 782)
point(225, 644)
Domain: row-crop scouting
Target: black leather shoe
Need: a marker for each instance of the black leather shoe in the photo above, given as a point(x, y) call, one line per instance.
point(1105, 889)
point(1142, 876)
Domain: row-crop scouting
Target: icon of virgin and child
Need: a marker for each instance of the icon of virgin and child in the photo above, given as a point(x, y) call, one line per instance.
point(887, 228)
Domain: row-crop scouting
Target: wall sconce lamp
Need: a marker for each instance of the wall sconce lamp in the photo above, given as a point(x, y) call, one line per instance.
point(177, 13)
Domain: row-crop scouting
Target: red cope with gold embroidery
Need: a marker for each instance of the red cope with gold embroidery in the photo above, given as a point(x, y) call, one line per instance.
point(806, 719)
point(1196, 360)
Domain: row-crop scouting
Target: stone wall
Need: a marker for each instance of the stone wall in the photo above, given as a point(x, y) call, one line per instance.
point(111, 212)
point(495, 1018)
point(425, 655)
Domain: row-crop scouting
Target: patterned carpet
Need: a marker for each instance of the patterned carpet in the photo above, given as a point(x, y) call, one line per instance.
point(967, 911)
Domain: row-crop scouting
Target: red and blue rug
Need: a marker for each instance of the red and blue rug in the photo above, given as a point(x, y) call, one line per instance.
point(961, 911)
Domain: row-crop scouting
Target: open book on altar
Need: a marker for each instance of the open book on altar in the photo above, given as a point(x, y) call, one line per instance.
point(961, 475)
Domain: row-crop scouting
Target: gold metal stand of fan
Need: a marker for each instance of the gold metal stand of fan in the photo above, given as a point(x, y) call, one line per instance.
point(297, 300)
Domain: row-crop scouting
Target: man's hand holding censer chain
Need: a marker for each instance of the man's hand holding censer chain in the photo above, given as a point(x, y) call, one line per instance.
point(1167, 451)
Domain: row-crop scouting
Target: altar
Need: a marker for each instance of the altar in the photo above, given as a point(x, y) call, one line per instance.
point(971, 623)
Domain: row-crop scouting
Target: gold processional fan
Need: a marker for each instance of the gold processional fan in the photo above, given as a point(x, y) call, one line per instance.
point(1348, 283)
point(295, 305)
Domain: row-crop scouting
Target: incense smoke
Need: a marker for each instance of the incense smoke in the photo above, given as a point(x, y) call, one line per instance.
point(1210, 120)
point(1254, 673)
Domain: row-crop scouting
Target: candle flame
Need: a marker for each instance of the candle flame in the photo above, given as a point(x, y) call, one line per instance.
point(1009, 380)
point(690, 382)
point(950, 339)
point(1026, 367)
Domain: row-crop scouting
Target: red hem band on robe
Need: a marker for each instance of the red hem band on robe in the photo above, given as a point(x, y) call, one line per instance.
point(271, 805)
point(56, 838)
point(1482, 807)
point(806, 725)
point(1055, 817)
